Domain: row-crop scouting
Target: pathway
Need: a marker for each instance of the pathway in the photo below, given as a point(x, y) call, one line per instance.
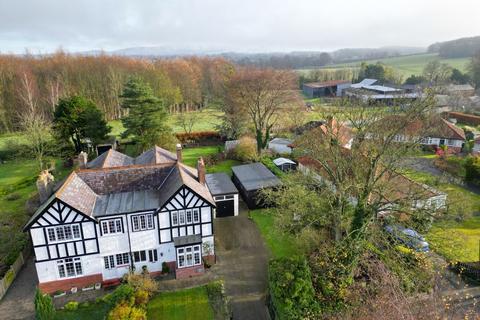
point(242, 261)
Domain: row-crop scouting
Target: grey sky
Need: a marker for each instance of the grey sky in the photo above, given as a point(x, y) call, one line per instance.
point(240, 25)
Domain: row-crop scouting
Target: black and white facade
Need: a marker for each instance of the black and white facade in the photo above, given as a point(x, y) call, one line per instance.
point(107, 220)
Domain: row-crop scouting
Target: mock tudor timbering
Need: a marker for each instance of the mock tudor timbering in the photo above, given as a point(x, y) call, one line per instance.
point(118, 213)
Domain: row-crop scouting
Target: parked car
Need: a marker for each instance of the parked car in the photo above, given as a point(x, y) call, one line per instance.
point(409, 237)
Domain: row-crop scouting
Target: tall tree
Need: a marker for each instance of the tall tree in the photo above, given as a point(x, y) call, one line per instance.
point(78, 119)
point(474, 69)
point(436, 72)
point(146, 121)
point(262, 94)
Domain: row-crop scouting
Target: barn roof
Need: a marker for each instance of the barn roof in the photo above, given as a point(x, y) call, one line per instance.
point(255, 176)
point(325, 84)
point(220, 183)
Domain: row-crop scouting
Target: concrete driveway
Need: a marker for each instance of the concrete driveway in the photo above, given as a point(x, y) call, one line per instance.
point(18, 302)
point(242, 261)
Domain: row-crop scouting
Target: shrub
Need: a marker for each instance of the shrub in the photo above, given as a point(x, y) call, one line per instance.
point(245, 150)
point(165, 268)
point(71, 306)
point(141, 297)
point(197, 137)
point(472, 170)
point(13, 196)
point(123, 292)
point(142, 282)
point(218, 300)
point(126, 311)
point(44, 309)
point(291, 289)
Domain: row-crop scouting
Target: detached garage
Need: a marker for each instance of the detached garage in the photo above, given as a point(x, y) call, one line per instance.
point(250, 179)
point(224, 193)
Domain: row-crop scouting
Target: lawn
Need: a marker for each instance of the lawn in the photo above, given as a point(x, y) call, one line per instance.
point(223, 166)
point(191, 155)
point(181, 305)
point(207, 120)
point(97, 311)
point(280, 245)
point(457, 241)
point(406, 65)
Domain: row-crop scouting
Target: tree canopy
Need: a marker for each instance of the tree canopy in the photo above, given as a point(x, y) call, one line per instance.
point(146, 121)
point(77, 119)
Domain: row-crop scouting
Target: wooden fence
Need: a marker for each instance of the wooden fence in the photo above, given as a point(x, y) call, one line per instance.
point(12, 273)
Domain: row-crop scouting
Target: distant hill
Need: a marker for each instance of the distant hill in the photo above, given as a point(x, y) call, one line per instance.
point(459, 48)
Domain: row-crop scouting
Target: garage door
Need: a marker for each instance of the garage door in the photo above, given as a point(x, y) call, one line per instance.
point(225, 208)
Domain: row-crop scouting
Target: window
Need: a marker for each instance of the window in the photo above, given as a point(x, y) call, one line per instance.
point(175, 218)
point(51, 235)
point(152, 255)
point(62, 233)
point(120, 259)
point(196, 215)
point(140, 256)
point(142, 222)
point(111, 226)
point(189, 256)
point(70, 267)
point(181, 217)
point(189, 216)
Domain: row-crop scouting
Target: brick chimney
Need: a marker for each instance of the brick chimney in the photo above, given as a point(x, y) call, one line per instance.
point(201, 170)
point(82, 160)
point(179, 152)
point(45, 184)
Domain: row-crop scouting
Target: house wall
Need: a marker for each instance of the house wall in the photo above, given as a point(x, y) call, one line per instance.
point(94, 245)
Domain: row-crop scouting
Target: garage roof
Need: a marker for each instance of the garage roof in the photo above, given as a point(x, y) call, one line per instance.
point(255, 176)
point(220, 183)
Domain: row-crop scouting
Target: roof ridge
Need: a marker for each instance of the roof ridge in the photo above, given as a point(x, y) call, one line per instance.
point(109, 152)
point(65, 183)
point(132, 166)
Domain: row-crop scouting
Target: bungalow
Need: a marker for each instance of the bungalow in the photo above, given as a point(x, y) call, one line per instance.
point(118, 213)
point(434, 132)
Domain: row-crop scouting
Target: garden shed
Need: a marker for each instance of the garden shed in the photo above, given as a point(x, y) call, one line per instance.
point(285, 164)
point(224, 193)
point(250, 179)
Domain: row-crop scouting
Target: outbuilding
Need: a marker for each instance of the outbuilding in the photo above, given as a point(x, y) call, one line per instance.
point(250, 179)
point(280, 145)
point(285, 164)
point(224, 193)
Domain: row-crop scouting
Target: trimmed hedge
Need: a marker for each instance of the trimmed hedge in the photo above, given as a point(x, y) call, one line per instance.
point(198, 136)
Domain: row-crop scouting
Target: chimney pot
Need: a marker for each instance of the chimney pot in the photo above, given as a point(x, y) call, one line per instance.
point(201, 170)
point(179, 152)
point(82, 160)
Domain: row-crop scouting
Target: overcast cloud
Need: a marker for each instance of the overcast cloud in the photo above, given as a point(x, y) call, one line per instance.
point(243, 25)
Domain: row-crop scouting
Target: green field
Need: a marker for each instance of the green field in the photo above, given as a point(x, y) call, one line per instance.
point(206, 120)
point(406, 65)
point(181, 305)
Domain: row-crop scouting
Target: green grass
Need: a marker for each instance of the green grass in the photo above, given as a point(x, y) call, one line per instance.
point(457, 241)
point(280, 244)
point(406, 65)
point(191, 155)
point(181, 305)
point(207, 120)
point(97, 311)
point(223, 166)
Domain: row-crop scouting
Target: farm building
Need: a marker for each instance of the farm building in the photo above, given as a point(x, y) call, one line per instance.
point(280, 145)
point(285, 164)
point(325, 89)
point(224, 193)
point(369, 91)
point(250, 179)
